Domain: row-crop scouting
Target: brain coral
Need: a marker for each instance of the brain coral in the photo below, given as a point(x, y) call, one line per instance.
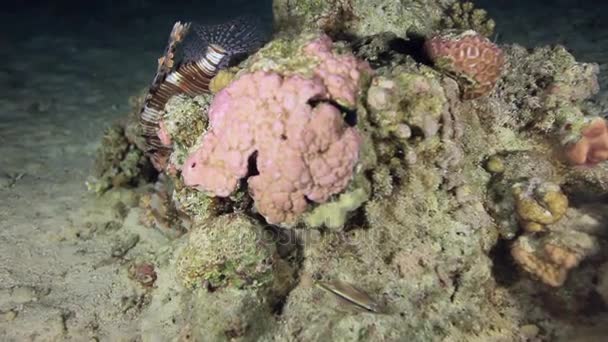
point(304, 149)
point(471, 58)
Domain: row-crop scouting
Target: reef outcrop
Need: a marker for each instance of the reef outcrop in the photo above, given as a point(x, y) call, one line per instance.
point(339, 187)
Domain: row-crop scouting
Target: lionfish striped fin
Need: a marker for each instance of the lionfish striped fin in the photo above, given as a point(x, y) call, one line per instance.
point(206, 50)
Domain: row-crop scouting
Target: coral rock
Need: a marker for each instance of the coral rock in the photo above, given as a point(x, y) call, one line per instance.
point(471, 58)
point(360, 18)
point(592, 148)
point(404, 100)
point(305, 151)
point(230, 250)
point(118, 163)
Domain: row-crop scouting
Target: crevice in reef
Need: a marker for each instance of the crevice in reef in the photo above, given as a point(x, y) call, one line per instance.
point(413, 47)
point(252, 164)
point(290, 250)
point(504, 270)
point(357, 220)
point(349, 115)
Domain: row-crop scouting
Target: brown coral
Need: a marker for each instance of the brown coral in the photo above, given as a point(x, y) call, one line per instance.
point(592, 147)
point(470, 57)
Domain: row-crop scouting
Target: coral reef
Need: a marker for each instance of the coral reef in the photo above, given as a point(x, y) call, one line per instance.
point(344, 203)
point(335, 214)
point(472, 59)
point(183, 122)
point(220, 81)
point(509, 202)
point(159, 211)
point(538, 203)
point(228, 315)
point(531, 208)
point(551, 257)
point(544, 89)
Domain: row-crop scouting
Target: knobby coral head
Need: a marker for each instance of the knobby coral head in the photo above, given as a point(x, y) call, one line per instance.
point(304, 150)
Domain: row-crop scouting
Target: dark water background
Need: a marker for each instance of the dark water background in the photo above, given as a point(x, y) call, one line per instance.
point(138, 28)
point(70, 66)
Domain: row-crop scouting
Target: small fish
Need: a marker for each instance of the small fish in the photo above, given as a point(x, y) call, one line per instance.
point(351, 295)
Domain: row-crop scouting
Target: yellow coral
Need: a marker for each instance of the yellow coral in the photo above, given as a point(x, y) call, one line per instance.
point(221, 80)
point(495, 164)
point(539, 204)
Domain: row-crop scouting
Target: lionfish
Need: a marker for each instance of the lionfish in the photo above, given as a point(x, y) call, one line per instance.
point(203, 50)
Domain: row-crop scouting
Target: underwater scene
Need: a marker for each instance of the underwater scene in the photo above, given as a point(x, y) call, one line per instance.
point(304, 170)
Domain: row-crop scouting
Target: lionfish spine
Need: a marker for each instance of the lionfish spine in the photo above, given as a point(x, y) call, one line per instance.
point(158, 95)
point(190, 78)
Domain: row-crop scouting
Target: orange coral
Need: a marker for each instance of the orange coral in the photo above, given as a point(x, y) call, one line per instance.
point(549, 261)
point(471, 58)
point(592, 147)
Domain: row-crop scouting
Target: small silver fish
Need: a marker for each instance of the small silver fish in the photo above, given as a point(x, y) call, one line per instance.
point(351, 295)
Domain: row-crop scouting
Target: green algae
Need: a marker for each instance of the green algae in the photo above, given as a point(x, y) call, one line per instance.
point(335, 213)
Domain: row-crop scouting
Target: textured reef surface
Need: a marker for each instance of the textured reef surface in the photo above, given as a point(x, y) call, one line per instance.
point(376, 171)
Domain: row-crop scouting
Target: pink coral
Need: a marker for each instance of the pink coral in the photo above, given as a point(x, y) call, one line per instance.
point(473, 59)
point(592, 148)
point(340, 73)
point(304, 151)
